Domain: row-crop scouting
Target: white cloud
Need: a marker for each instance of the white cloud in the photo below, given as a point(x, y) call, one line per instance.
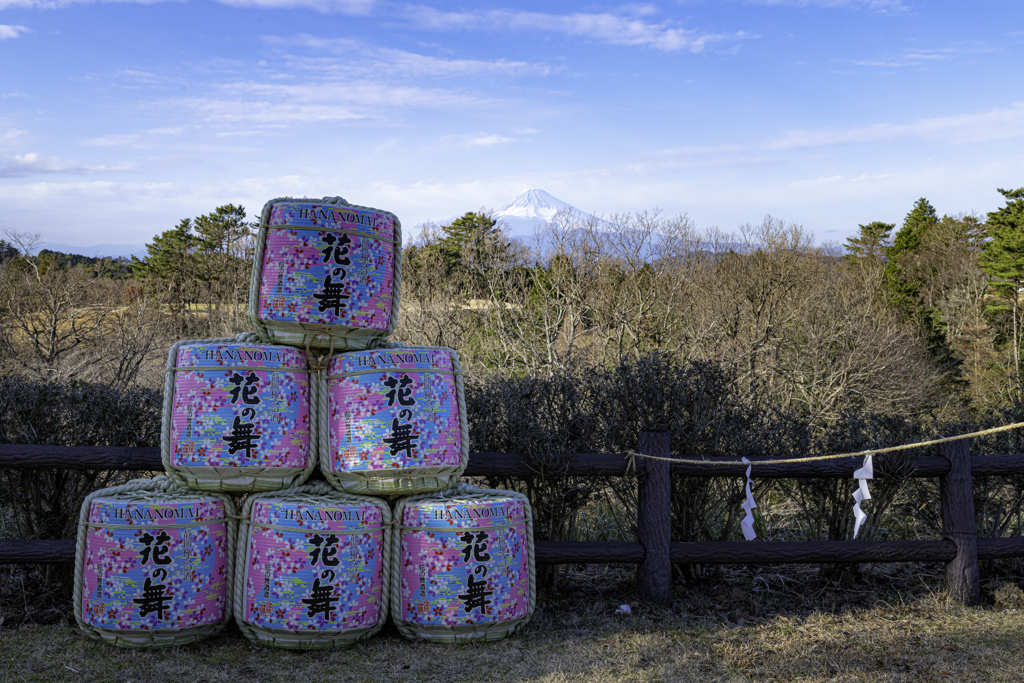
point(922, 57)
point(1005, 123)
point(603, 26)
point(353, 7)
point(357, 7)
point(370, 60)
point(9, 31)
point(140, 139)
point(30, 164)
point(482, 140)
point(12, 135)
point(272, 105)
point(883, 6)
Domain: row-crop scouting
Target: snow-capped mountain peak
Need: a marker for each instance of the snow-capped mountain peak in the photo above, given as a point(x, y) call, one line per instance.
point(533, 204)
point(531, 210)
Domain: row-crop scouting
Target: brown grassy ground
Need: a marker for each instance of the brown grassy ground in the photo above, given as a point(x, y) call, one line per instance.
point(742, 625)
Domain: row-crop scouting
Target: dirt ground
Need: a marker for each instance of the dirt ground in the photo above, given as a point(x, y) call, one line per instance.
point(886, 623)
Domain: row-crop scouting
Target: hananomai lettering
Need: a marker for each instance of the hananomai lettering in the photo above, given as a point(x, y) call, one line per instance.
point(470, 513)
point(395, 358)
point(242, 355)
point(154, 513)
point(337, 216)
point(327, 515)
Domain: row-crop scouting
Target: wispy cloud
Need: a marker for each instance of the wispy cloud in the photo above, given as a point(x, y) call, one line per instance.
point(921, 57)
point(357, 7)
point(883, 6)
point(354, 7)
point(143, 138)
point(360, 59)
point(484, 140)
point(10, 31)
point(30, 164)
point(615, 29)
point(277, 105)
point(995, 124)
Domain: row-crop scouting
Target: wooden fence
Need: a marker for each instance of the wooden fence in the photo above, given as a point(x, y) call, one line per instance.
point(653, 551)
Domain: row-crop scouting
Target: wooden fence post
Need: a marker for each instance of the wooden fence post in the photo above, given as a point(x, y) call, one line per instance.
point(654, 520)
point(963, 579)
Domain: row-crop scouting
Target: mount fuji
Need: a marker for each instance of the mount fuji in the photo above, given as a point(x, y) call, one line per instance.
point(531, 210)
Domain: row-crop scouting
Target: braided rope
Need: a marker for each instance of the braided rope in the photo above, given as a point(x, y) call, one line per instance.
point(161, 489)
point(302, 334)
point(461, 493)
point(317, 492)
point(227, 478)
point(396, 481)
point(632, 455)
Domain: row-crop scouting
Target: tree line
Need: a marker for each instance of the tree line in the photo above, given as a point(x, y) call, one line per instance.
point(901, 321)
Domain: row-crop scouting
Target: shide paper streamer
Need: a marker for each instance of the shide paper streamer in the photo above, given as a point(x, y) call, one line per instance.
point(748, 522)
point(861, 494)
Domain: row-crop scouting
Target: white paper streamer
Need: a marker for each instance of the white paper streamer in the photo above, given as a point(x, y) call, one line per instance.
point(748, 522)
point(861, 494)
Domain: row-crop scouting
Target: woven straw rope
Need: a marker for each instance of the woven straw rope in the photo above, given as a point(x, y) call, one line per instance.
point(303, 334)
point(632, 455)
point(408, 480)
point(312, 493)
point(159, 489)
point(231, 479)
point(460, 493)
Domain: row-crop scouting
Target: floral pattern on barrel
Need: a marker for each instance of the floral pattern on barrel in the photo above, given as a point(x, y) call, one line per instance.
point(314, 566)
point(240, 405)
point(144, 569)
point(394, 408)
point(328, 265)
point(464, 562)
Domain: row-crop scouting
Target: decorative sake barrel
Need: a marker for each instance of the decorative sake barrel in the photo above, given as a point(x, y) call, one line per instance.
point(154, 564)
point(313, 566)
point(394, 420)
point(463, 565)
point(326, 274)
point(237, 416)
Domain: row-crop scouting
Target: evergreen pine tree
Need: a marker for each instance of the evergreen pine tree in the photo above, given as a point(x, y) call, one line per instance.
point(1002, 258)
point(871, 243)
point(902, 287)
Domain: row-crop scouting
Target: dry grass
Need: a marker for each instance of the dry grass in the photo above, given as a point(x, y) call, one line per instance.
point(733, 628)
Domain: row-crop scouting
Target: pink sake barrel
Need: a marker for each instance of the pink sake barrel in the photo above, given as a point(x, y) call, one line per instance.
point(465, 565)
point(394, 421)
point(325, 273)
point(314, 567)
point(239, 418)
point(152, 572)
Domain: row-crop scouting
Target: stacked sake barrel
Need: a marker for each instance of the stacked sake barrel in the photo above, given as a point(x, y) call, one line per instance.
point(319, 564)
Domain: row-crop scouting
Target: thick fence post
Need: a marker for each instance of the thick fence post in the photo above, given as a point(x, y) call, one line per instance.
point(654, 520)
point(963, 580)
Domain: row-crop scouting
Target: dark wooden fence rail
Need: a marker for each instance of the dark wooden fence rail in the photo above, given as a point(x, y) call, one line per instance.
point(653, 551)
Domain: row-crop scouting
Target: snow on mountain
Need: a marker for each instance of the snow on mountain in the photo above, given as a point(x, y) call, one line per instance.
point(532, 209)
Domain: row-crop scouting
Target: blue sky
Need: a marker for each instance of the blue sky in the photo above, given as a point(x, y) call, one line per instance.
point(118, 119)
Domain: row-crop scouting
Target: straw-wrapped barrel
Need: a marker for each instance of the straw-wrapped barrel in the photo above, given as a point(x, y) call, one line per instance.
point(463, 565)
point(393, 420)
point(313, 566)
point(153, 564)
point(237, 415)
point(326, 274)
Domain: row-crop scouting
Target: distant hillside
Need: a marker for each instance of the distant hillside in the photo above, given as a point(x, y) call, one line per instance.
point(99, 250)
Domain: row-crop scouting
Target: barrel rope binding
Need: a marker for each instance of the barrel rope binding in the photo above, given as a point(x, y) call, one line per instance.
point(355, 340)
point(462, 632)
point(199, 476)
point(409, 480)
point(163, 489)
point(312, 492)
